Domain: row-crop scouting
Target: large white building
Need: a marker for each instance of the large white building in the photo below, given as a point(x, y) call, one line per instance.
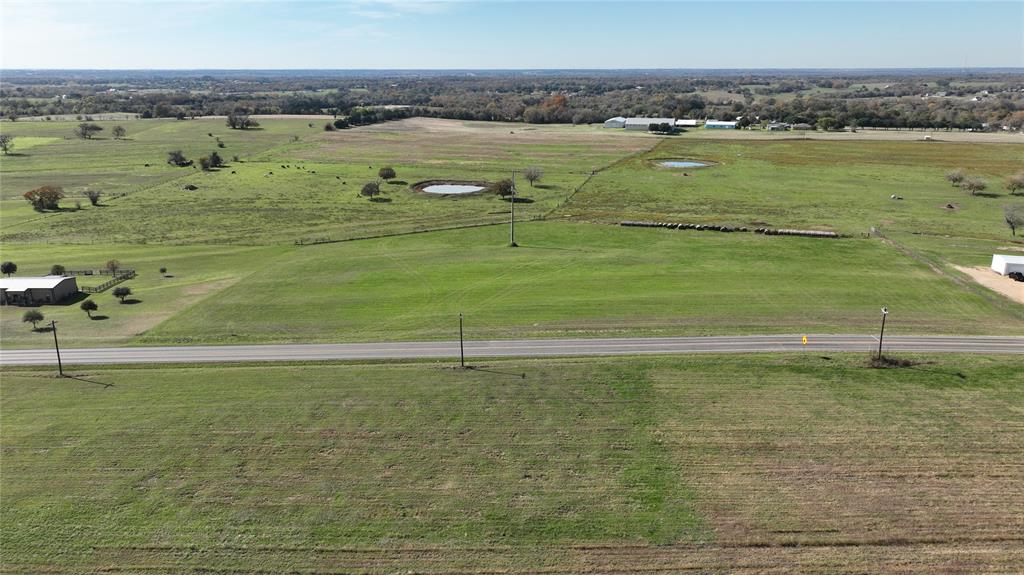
point(686, 123)
point(1004, 264)
point(36, 290)
point(720, 125)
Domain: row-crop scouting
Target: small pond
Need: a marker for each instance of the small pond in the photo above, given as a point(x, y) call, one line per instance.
point(683, 164)
point(452, 189)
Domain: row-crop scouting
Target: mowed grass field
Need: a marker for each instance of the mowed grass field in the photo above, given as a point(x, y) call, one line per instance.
point(795, 463)
point(567, 279)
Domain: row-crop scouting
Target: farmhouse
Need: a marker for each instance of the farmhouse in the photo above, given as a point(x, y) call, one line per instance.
point(1004, 264)
point(645, 123)
point(37, 290)
point(686, 123)
point(720, 125)
point(616, 122)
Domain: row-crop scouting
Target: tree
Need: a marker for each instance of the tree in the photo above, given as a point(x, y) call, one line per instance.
point(502, 188)
point(57, 270)
point(45, 198)
point(341, 123)
point(6, 143)
point(1013, 215)
point(241, 121)
point(956, 176)
point(8, 268)
point(113, 266)
point(387, 173)
point(974, 185)
point(533, 174)
point(216, 161)
point(118, 132)
point(89, 306)
point(34, 316)
point(1015, 183)
point(176, 158)
point(86, 130)
point(122, 292)
point(370, 189)
point(827, 124)
point(204, 163)
point(163, 270)
point(93, 196)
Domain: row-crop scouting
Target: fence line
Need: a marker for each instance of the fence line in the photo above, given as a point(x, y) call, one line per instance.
point(119, 276)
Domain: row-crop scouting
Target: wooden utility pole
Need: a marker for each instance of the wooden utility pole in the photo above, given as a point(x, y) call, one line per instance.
point(56, 346)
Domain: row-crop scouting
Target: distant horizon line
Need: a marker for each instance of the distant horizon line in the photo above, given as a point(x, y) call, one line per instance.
point(527, 69)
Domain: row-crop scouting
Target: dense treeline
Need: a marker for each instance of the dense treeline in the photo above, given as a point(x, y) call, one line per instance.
point(914, 101)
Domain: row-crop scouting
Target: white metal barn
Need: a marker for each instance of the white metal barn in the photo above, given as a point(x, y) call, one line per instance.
point(36, 290)
point(1004, 264)
point(616, 122)
point(645, 123)
point(686, 123)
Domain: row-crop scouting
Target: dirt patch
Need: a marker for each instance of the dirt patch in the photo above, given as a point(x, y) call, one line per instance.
point(995, 282)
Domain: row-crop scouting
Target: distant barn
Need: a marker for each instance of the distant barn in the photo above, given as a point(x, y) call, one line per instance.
point(36, 290)
point(616, 122)
point(645, 123)
point(720, 125)
point(1004, 264)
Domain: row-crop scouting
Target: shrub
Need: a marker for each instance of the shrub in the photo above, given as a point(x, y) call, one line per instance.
point(45, 198)
point(956, 176)
point(57, 270)
point(387, 173)
point(1015, 183)
point(8, 268)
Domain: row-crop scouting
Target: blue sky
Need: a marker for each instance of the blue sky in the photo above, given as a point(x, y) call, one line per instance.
point(412, 34)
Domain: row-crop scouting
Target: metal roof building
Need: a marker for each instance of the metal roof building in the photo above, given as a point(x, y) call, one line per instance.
point(1004, 264)
point(36, 290)
point(645, 123)
point(720, 125)
point(616, 122)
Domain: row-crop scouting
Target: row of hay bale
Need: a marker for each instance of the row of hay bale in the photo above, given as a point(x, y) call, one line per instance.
point(678, 226)
point(716, 228)
point(803, 233)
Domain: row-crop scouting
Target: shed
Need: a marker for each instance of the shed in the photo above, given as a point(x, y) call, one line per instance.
point(720, 125)
point(36, 290)
point(616, 122)
point(645, 123)
point(1004, 264)
point(686, 123)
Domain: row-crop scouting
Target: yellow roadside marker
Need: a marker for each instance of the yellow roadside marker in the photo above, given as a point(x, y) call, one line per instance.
point(805, 340)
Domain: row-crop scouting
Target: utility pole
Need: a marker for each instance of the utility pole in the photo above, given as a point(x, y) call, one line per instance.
point(60, 366)
point(512, 221)
point(462, 350)
point(885, 312)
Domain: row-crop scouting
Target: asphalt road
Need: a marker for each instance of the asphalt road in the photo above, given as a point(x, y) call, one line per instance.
point(515, 348)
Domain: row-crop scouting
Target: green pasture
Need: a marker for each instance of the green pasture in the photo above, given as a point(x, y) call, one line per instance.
point(565, 280)
point(543, 465)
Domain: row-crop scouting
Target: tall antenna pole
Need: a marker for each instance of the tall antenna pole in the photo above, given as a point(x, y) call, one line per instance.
point(512, 220)
point(60, 366)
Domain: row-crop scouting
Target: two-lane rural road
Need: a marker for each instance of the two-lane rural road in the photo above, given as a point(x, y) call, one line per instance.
point(515, 348)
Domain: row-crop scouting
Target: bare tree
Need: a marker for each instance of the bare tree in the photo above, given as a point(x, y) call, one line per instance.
point(956, 176)
point(118, 132)
point(502, 188)
point(93, 196)
point(86, 130)
point(1015, 183)
point(1013, 215)
point(176, 158)
point(533, 174)
point(6, 143)
point(974, 185)
point(113, 266)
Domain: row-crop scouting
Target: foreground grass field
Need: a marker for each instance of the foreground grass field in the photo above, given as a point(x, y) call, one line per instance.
point(713, 464)
point(566, 279)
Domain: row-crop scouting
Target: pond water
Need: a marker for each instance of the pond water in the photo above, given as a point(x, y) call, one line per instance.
point(452, 189)
point(683, 164)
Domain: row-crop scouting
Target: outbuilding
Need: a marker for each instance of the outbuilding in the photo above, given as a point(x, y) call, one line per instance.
point(720, 125)
point(686, 123)
point(616, 122)
point(645, 123)
point(36, 290)
point(1004, 264)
